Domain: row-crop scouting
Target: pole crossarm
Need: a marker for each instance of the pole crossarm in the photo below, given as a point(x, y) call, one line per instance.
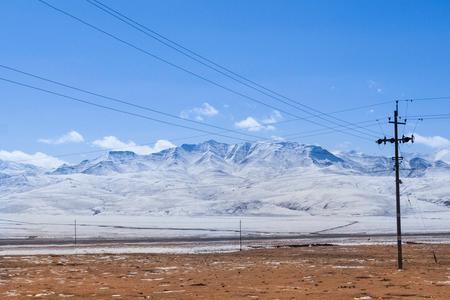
point(402, 140)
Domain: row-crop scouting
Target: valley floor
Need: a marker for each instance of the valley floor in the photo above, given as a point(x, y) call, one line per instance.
point(121, 227)
point(322, 272)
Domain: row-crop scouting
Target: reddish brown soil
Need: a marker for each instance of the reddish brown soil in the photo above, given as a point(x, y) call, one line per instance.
point(351, 272)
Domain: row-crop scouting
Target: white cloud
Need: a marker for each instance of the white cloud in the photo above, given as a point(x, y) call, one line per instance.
point(199, 113)
point(278, 138)
point(443, 154)
point(252, 124)
point(38, 159)
point(113, 143)
point(437, 142)
point(440, 144)
point(70, 137)
point(206, 110)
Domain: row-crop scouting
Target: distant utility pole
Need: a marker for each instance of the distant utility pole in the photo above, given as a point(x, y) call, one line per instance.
point(240, 235)
point(396, 140)
point(75, 231)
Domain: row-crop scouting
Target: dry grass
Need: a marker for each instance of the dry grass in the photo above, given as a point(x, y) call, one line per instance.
point(356, 272)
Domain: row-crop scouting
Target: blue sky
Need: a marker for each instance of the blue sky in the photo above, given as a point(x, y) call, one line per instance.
point(329, 55)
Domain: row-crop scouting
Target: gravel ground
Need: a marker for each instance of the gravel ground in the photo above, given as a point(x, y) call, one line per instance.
point(319, 272)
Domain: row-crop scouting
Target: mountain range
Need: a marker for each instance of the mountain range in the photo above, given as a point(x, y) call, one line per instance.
point(213, 178)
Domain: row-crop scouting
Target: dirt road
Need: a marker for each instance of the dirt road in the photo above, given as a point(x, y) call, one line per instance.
point(328, 272)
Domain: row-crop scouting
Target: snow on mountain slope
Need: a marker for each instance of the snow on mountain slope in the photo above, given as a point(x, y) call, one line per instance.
point(14, 168)
point(212, 178)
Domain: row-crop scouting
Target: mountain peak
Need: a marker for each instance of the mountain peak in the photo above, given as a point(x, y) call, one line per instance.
point(214, 155)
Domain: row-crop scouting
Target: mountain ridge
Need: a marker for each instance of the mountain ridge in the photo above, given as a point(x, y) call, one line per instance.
point(282, 154)
point(213, 178)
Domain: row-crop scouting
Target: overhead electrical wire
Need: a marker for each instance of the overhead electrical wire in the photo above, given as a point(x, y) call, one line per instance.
point(415, 117)
point(115, 109)
point(92, 26)
point(431, 116)
point(121, 101)
point(114, 99)
point(363, 107)
point(118, 100)
point(210, 64)
point(206, 133)
point(345, 110)
point(295, 135)
point(123, 111)
point(415, 126)
point(200, 76)
point(436, 118)
point(319, 132)
point(426, 99)
point(405, 118)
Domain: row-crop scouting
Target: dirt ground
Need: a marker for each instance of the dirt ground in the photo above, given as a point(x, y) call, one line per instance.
point(326, 272)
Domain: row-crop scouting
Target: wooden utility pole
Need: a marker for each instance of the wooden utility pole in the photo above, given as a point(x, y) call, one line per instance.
point(75, 231)
point(240, 235)
point(396, 140)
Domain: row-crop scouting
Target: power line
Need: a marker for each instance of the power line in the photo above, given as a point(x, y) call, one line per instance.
point(415, 126)
point(117, 110)
point(426, 119)
point(345, 110)
point(320, 132)
point(135, 115)
point(195, 74)
point(429, 116)
point(363, 107)
point(117, 100)
point(210, 64)
point(405, 117)
point(427, 99)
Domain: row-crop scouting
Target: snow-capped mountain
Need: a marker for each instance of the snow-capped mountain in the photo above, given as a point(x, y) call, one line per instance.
point(8, 168)
point(212, 178)
point(211, 155)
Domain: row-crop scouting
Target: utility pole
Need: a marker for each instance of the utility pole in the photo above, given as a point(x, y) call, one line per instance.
point(240, 235)
point(396, 140)
point(75, 231)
